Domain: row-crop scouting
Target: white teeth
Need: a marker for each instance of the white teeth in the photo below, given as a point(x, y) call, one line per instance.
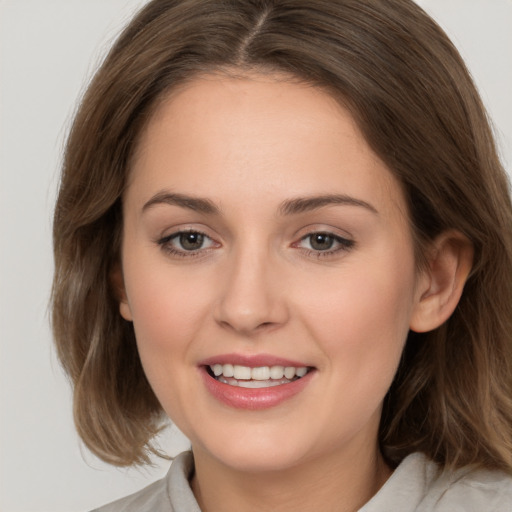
point(301, 371)
point(231, 382)
point(289, 372)
point(242, 372)
point(276, 372)
point(253, 384)
point(228, 370)
point(264, 374)
point(261, 373)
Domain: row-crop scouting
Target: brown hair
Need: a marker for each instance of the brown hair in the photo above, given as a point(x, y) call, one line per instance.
point(414, 101)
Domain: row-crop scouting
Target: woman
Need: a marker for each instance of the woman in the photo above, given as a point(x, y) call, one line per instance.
point(284, 224)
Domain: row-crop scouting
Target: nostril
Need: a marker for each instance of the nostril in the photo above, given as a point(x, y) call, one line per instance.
point(265, 324)
point(246, 325)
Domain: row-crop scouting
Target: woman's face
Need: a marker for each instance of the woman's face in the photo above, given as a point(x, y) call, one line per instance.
point(266, 243)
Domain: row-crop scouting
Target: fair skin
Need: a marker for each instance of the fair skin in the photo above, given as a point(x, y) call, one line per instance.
point(261, 230)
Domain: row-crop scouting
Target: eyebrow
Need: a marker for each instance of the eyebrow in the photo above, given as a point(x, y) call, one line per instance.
point(306, 204)
point(288, 207)
point(196, 204)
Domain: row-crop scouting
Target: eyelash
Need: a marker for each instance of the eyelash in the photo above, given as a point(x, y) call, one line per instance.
point(343, 244)
point(166, 244)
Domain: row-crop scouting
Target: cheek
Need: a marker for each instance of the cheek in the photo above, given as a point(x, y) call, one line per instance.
point(166, 320)
point(162, 299)
point(361, 319)
point(166, 311)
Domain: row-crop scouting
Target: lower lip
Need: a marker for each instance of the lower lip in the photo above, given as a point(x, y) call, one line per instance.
point(254, 399)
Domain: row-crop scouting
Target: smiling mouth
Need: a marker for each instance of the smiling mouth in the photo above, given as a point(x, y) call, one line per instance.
point(258, 377)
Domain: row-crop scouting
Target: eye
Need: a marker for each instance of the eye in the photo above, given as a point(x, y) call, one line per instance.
point(324, 242)
point(321, 241)
point(189, 241)
point(186, 243)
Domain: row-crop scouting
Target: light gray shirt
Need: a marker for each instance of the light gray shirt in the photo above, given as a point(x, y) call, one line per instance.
point(415, 486)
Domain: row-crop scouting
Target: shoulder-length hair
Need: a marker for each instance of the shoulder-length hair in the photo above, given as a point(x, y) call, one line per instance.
point(413, 99)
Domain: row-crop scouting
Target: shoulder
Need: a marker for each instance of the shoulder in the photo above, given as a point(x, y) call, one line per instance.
point(151, 498)
point(417, 485)
point(470, 490)
point(170, 494)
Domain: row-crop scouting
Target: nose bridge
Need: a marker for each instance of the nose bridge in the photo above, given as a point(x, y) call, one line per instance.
point(251, 296)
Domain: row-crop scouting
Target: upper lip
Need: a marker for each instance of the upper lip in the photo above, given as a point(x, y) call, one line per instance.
point(251, 360)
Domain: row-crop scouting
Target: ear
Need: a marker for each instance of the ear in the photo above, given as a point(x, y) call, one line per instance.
point(117, 283)
point(441, 283)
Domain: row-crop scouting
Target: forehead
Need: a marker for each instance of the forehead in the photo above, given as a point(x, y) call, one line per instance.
point(258, 105)
point(255, 135)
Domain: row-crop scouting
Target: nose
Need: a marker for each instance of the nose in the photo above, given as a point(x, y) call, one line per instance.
point(252, 295)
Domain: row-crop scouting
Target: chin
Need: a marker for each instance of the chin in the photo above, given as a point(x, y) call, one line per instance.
point(255, 460)
point(258, 450)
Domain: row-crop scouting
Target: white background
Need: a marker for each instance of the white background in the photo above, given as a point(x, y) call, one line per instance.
point(48, 49)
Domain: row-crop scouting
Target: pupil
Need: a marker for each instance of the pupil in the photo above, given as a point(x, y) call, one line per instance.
point(191, 241)
point(321, 241)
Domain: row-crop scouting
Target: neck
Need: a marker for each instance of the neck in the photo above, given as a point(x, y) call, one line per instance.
point(337, 483)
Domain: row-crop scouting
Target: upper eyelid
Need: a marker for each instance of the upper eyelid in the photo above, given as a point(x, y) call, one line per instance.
point(323, 228)
point(344, 236)
point(176, 230)
point(344, 241)
point(184, 230)
point(176, 234)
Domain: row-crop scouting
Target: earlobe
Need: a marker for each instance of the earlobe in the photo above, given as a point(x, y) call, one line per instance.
point(117, 283)
point(126, 312)
point(442, 282)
